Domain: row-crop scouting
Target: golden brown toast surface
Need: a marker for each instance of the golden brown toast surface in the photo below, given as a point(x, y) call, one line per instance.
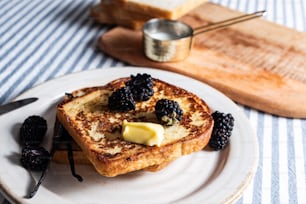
point(97, 130)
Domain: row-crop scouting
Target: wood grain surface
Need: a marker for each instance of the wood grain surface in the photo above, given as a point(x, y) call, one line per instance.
point(256, 63)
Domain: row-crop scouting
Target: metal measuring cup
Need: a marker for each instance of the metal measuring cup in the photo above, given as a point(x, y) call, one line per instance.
point(169, 40)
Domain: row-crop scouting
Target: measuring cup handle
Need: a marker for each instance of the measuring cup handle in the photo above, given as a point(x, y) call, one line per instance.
point(228, 22)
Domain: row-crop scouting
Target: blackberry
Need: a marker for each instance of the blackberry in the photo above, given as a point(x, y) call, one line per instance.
point(35, 158)
point(141, 87)
point(33, 130)
point(168, 112)
point(121, 100)
point(222, 130)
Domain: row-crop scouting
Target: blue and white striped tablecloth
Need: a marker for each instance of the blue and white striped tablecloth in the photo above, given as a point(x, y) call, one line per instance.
point(44, 39)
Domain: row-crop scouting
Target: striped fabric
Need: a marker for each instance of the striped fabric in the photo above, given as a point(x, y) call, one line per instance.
point(43, 39)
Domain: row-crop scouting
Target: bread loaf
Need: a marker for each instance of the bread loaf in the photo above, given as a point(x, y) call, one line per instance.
point(170, 9)
point(108, 14)
point(134, 13)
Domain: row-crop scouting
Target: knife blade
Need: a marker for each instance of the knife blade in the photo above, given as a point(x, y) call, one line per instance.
point(16, 104)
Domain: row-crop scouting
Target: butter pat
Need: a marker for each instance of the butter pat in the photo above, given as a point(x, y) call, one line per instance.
point(143, 133)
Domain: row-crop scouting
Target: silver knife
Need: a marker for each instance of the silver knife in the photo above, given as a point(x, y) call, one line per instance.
point(16, 104)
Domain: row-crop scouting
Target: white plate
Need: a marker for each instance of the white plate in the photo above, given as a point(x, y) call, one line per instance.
point(202, 177)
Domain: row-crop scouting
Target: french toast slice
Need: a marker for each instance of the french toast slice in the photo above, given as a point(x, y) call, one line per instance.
point(97, 129)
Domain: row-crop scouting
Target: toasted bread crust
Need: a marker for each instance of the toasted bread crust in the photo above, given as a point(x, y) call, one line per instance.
point(86, 112)
point(61, 157)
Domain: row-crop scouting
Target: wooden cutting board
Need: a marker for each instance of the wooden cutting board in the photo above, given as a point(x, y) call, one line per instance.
point(256, 63)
